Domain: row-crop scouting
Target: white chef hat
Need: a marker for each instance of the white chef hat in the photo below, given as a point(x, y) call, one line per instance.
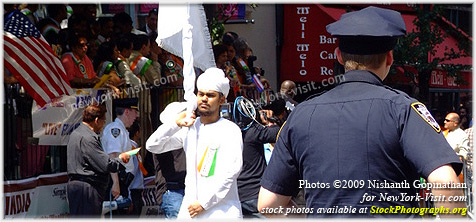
point(214, 79)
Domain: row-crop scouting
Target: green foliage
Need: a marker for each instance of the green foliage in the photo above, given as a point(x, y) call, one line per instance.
point(418, 48)
point(222, 14)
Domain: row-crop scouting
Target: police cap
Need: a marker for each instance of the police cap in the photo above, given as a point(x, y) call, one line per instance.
point(126, 103)
point(371, 30)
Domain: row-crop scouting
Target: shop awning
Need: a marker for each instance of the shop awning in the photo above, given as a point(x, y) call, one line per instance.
point(449, 43)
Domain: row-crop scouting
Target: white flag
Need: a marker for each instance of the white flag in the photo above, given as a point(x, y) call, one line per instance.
point(172, 19)
point(183, 31)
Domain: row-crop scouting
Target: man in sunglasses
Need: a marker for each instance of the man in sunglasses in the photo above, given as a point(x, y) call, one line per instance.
point(455, 136)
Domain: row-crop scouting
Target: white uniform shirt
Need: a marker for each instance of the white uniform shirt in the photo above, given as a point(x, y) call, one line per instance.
point(459, 141)
point(217, 193)
point(115, 138)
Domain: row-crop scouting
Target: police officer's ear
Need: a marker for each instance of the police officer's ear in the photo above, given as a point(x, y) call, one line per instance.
point(338, 54)
point(389, 60)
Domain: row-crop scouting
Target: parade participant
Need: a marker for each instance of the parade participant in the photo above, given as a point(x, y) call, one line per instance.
point(77, 64)
point(213, 147)
point(455, 136)
point(89, 166)
point(115, 140)
point(124, 45)
point(362, 131)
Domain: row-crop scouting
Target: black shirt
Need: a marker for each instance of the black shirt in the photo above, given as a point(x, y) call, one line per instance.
point(361, 131)
point(254, 162)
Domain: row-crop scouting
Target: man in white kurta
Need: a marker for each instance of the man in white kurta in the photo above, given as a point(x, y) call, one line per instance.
point(213, 148)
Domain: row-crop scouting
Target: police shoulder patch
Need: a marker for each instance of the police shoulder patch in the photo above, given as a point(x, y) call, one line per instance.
point(421, 109)
point(115, 132)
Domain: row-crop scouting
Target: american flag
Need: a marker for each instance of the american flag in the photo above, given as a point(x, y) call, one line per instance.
point(31, 60)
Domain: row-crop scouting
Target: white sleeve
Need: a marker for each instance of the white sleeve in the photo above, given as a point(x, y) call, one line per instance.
point(167, 137)
point(464, 148)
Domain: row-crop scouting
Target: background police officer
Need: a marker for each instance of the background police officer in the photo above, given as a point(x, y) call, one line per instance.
point(115, 140)
point(360, 131)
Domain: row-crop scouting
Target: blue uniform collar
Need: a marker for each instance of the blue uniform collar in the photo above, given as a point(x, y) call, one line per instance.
point(362, 76)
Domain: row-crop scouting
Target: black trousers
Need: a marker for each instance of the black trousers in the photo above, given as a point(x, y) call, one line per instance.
point(84, 200)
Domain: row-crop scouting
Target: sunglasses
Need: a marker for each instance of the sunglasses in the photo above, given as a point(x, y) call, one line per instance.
point(447, 120)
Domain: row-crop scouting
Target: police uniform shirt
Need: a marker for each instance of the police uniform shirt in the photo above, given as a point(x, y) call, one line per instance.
point(115, 138)
point(360, 130)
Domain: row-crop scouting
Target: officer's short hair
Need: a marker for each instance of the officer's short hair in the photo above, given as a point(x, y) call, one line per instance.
point(92, 112)
point(120, 110)
point(358, 62)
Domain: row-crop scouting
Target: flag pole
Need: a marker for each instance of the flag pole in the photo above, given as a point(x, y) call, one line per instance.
point(188, 71)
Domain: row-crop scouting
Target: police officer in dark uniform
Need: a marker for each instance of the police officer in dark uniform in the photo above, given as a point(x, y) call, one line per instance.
point(89, 166)
point(362, 139)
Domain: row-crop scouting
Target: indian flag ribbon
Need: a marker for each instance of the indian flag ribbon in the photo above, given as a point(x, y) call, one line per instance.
point(206, 167)
point(140, 65)
point(243, 64)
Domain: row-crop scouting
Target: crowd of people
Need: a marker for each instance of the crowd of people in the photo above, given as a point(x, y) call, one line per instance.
point(109, 52)
point(208, 166)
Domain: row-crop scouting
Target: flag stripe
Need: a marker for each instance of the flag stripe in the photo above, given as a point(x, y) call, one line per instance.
point(52, 57)
point(31, 65)
point(53, 63)
point(22, 68)
point(38, 96)
point(49, 58)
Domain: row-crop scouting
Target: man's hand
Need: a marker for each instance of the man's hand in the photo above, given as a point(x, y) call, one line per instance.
point(124, 157)
point(182, 119)
point(115, 190)
point(195, 209)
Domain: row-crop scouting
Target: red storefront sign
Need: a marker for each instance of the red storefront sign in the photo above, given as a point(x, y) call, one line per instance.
point(440, 79)
point(308, 49)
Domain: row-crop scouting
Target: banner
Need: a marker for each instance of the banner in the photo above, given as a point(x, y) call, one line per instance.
point(54, 122)
point(308, 49)
point(40, 197)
